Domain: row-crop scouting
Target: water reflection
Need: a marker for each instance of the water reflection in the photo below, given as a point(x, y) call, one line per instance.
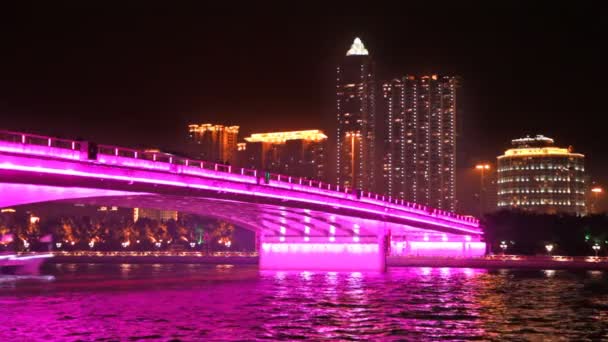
point(197, 302)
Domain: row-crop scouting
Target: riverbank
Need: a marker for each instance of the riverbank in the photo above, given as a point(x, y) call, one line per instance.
point(237, 258)
point(240, 258)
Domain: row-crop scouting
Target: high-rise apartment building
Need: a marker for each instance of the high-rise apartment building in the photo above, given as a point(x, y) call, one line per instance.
point(419, 159)
point(356, 115)
point(537, 176)
point(294, 153)
point(215, 143)
point(154, 214)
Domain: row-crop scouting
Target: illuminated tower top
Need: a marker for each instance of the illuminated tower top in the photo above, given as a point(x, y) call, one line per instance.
point(357, 48)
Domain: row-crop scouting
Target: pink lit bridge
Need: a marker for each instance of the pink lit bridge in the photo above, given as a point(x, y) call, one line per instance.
point(299, 224)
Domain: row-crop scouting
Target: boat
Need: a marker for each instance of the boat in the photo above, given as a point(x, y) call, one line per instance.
point(22, 263)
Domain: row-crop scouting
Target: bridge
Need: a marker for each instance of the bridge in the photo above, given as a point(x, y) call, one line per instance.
point(300, 224)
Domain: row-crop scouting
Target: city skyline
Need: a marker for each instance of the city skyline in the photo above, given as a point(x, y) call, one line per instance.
point(508, 93)
point(303, 171)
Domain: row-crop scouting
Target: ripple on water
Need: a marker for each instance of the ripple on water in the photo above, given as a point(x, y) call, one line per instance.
point(194, 302)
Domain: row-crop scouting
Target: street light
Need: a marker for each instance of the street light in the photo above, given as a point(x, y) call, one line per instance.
point(595, 192)
point(503, 246)
point(482, 168)
point(549, 248)
point(596, 249)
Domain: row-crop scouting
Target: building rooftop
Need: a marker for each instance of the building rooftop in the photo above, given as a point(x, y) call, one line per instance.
point(528, 141)
point(282, 137)
point(537, 146)
point(212, 127)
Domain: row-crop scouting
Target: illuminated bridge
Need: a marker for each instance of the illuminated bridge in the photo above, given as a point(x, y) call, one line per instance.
point(299, 224)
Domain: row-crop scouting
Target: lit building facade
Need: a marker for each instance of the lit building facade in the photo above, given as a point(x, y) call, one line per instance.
point(294, 153)
point(215, 143)
point(154, 214)
point(356, 115)
point(419, 150)
point(537, 176)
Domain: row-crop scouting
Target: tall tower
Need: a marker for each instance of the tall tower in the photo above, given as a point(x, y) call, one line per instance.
point(355, 109)
point(394, 162)
point(420, 145)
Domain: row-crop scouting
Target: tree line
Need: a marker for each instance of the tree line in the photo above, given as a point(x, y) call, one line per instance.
point(528, 233)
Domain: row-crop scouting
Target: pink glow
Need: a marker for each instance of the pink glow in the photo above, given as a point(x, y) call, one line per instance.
point(319, 247)
point(313, 256)
point(16, 194)
point(214, 186)
point(442, 249)
point(115, 159)
point(435, 245)
point(220, 181)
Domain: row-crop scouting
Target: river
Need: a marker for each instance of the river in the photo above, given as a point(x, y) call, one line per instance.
point(181, 302)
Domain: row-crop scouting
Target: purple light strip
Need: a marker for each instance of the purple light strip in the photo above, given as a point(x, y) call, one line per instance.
point(409, 207)
point(288, 247)
point(27, 257)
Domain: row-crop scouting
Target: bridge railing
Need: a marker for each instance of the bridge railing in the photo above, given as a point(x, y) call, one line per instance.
point(164, 161)
point(369, 197)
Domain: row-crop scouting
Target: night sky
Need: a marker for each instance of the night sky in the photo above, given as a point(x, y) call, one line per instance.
point(136, 75)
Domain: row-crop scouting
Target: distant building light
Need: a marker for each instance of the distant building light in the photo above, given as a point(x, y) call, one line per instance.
point(282, 137)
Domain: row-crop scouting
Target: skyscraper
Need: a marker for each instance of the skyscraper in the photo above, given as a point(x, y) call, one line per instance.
point(215, 143)
point(419, 159)
point(295, 153)
point(356, 111)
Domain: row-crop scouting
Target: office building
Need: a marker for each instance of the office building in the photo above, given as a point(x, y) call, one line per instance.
point(154, 214)
point(294, 153)
point(537, 176)
point(215, 143)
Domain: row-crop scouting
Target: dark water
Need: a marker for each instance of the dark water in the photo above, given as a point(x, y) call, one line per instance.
point(211, 303)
